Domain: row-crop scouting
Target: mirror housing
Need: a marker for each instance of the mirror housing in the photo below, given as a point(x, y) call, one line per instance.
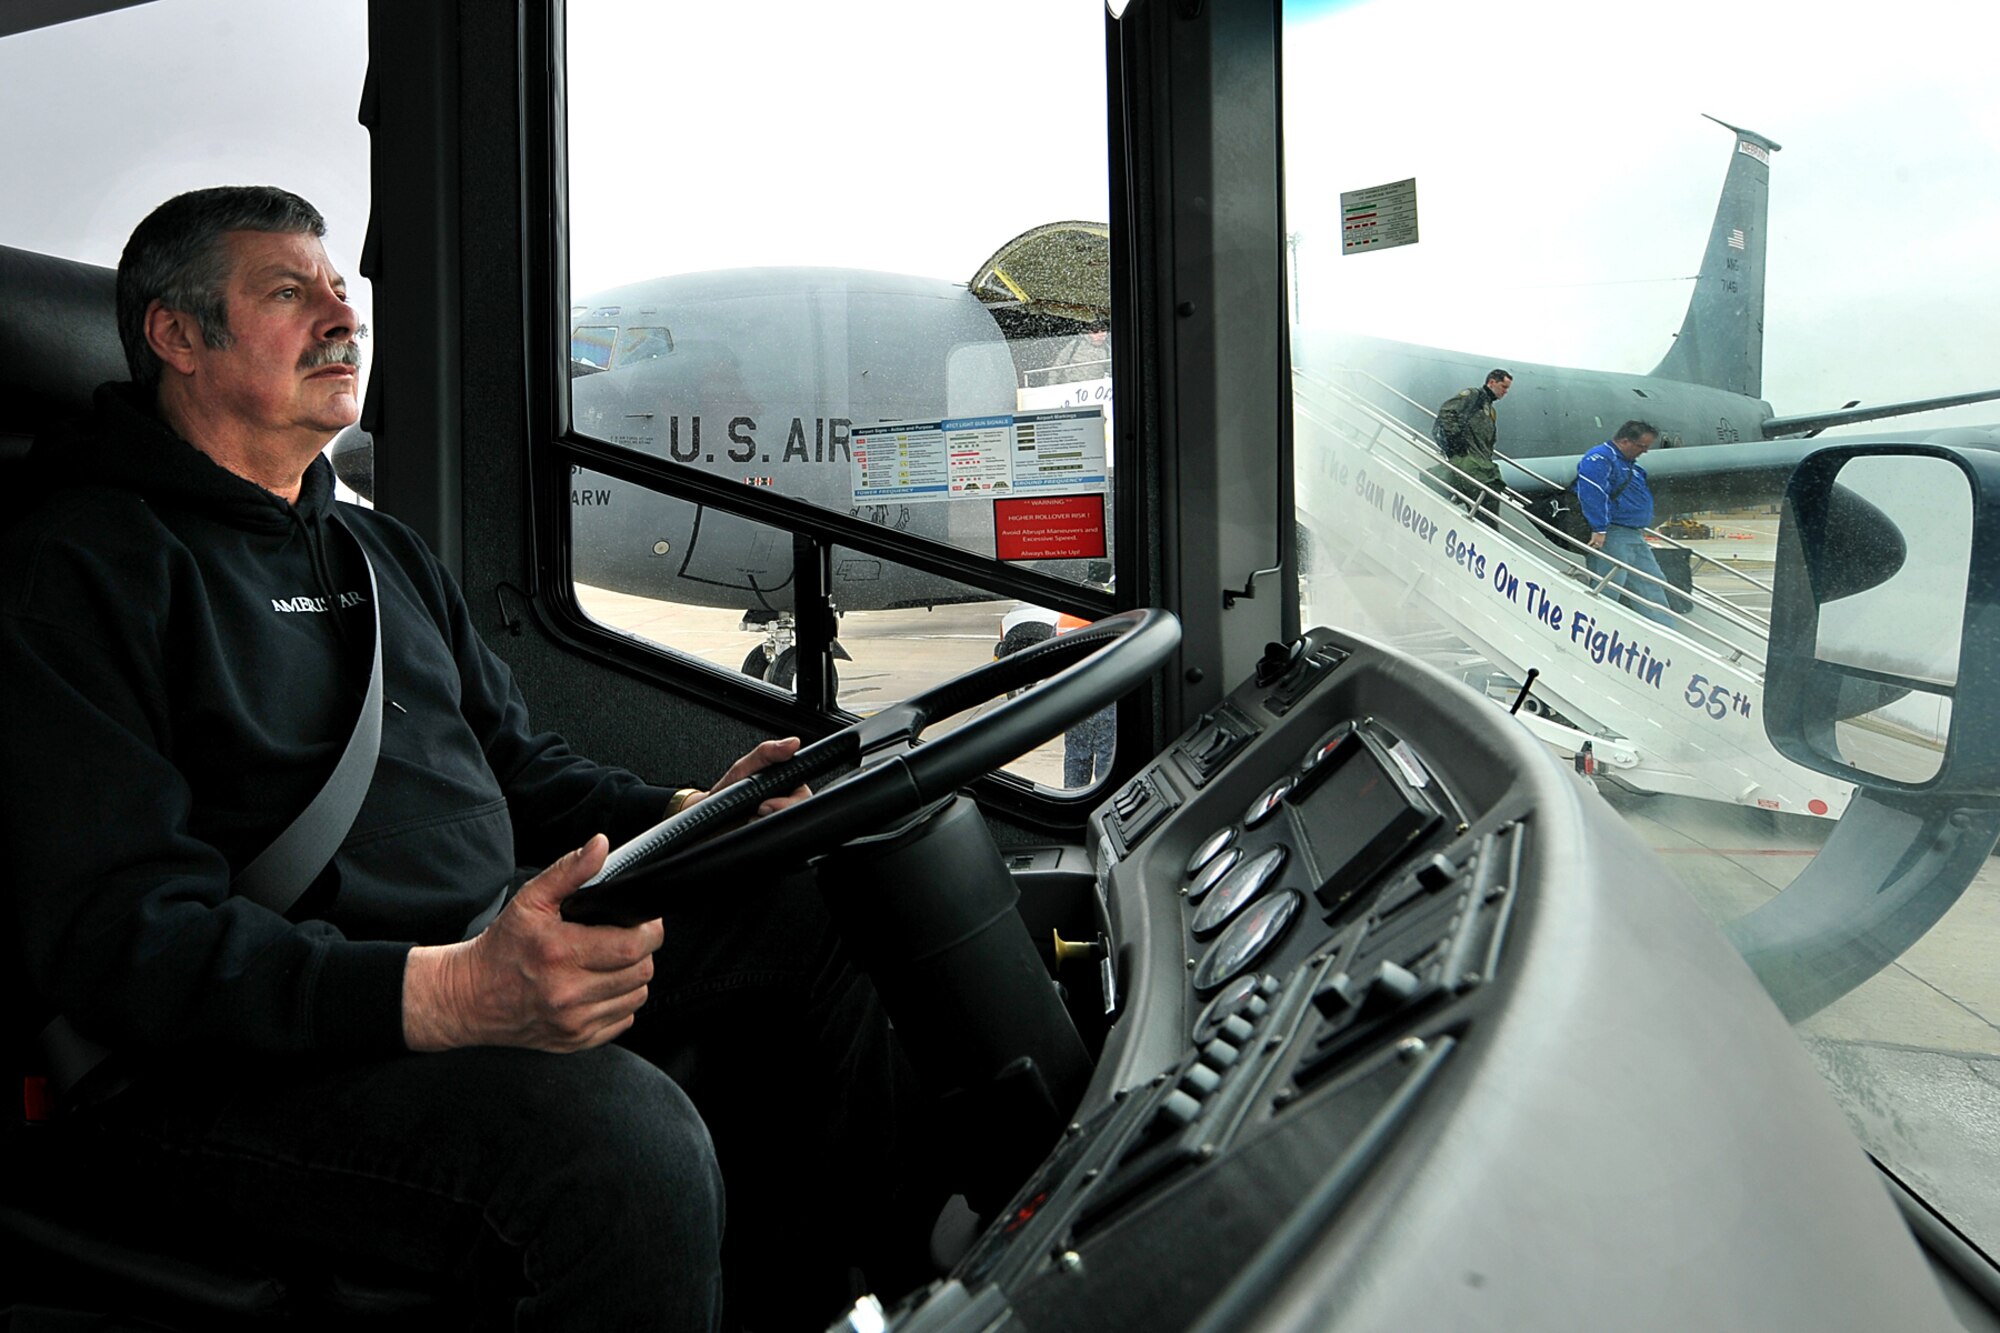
point(353, 456)
point(1884, 664)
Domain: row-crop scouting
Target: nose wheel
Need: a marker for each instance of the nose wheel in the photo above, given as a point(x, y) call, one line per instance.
point(776, 660)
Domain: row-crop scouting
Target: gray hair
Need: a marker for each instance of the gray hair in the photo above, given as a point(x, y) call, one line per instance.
point(177, 257)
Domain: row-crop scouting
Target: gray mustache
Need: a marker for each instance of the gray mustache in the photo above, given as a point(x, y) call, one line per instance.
point(334, 354)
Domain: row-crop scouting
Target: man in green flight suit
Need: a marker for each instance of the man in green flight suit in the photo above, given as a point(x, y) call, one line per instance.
point(1466, 431)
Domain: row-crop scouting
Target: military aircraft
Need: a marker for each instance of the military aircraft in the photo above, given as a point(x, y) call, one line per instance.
point(649, 370)
point(1721, 443)
point(660, 366)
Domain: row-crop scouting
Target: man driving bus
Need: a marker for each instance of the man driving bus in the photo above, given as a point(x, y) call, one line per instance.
point(408, 1065)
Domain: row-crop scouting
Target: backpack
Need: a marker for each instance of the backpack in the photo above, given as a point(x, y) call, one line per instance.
point(1447, 446)
point(1563, 511)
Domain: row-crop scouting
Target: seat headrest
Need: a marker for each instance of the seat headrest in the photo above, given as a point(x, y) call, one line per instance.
point(58, 338)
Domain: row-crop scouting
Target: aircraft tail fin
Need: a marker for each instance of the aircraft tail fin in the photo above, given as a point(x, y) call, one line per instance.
point(1721, 342)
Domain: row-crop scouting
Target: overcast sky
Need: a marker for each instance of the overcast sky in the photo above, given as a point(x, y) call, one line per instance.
point(1562, 199)
point(1564, 169)
point(918, 143)
point(106, 117)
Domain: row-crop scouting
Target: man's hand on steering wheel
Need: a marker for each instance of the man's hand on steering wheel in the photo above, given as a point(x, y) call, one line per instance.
point(764, 756)
point(532, 979)
point(877, 772)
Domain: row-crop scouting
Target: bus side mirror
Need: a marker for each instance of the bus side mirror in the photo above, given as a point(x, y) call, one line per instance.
point(1885, 625)
point(353, 457)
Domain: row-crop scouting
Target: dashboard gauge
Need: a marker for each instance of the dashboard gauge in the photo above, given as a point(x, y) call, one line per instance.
point(1261, 808)
point(1212, 873)
point(1210, 846)
point(1223, 1008)
point(1247, 939)
point(1327, 746)
point(1238, 887)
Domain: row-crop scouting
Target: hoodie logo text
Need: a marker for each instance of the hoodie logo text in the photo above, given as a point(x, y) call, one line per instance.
point(345, 601)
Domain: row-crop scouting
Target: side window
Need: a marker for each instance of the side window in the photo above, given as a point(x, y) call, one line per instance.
point(893, 315)
point(590, 346)
point(1662, 291)
point(78, 181)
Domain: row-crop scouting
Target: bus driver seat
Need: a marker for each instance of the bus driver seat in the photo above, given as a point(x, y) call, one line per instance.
point(61, 1226)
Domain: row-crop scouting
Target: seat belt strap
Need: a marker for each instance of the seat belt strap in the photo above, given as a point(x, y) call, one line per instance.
point(282, 871)
point(295, 857)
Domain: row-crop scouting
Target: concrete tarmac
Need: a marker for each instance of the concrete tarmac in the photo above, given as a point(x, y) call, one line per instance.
point(1913, 1055)
point(895, 654)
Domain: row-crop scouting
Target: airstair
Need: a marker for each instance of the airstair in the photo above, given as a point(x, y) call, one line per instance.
point(1672, 708)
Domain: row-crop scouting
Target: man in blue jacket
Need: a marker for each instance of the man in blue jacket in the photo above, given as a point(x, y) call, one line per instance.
point(1618, 505)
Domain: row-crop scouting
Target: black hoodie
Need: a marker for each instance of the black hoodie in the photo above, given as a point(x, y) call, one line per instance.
point(182, 657)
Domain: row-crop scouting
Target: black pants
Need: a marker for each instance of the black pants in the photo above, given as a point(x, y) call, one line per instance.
point(1464, 479)
point(590, 1179)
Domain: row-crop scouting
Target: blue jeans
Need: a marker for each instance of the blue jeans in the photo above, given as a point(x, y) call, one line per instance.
point(588, 1184)
point(1087, 748)
point(1629, 545)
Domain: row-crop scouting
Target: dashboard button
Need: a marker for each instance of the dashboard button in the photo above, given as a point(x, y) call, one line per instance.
point(1212, 874)
point(1238, 888)
point(1200, 1080)
point(1220, 1053)
point(1237, 1028)
point(1208, 850)
point(1261, 808)
point(1338, 997)
point(1436, 873)
point(1393, 987)
point(1247, 938)
point(1177, 1109)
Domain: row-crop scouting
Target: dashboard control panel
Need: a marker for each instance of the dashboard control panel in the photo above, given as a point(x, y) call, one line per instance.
point(1285, 890)
point(1367, 956)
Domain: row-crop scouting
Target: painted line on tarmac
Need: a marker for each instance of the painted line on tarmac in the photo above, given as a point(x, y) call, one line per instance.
point(1737, 851)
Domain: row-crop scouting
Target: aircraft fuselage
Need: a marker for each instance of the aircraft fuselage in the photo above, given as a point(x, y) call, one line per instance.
point(1551, 411)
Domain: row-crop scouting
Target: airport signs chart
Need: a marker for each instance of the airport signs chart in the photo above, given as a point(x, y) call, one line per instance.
point(1026, 453)
point(1380, 217)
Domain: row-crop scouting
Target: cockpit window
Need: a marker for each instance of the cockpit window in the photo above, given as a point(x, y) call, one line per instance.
point(591, 344)
point(643, 344)
point(1715, 287)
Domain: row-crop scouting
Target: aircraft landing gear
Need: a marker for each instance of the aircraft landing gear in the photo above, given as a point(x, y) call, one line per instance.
point(779, 635)
point(776, 659)
point(785, 668)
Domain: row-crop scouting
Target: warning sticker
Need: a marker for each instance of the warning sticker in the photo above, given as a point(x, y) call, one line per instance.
point(1049, 527)
point(1380, 217)
point(976, 457)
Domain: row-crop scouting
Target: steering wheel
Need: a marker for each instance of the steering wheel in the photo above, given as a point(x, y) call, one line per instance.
point(894, 778)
